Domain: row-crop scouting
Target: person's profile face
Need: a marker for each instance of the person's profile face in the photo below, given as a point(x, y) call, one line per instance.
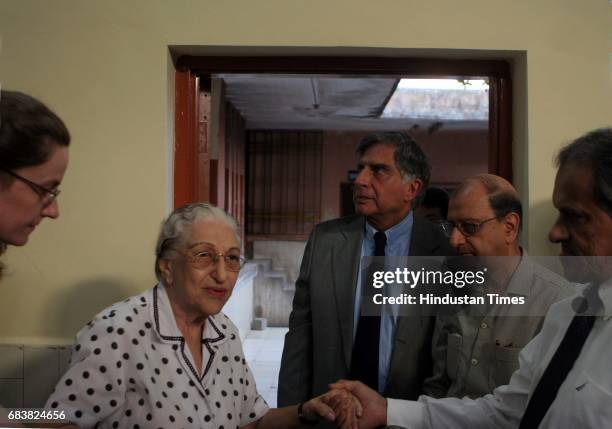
point(582, 227)
point(380, 192)
point(22, 206)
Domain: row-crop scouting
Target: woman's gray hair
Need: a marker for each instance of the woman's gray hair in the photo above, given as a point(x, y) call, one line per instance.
point(174, 229)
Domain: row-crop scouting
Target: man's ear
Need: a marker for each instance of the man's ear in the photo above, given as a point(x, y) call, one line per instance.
point(413, 189)
point(166, 269)
point(511, 226)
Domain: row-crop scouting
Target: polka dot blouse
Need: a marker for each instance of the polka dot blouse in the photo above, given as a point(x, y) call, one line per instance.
point(130, 368)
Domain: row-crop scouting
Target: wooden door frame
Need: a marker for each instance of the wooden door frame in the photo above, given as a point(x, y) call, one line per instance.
point(185, 137)
point(189, 68)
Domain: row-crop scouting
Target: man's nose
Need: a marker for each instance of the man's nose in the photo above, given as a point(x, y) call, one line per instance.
point(558, 232)
point(363, 178)
point(456, 237)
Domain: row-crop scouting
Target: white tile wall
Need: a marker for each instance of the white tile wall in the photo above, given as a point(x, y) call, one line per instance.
point(11, 361)
point(11, 393)
point(28, 374)
point(40, 374)
point(64, 359)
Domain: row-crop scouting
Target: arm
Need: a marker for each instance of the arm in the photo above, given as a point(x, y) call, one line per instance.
point(502, 409)
point(346, 411)
point(295, 377)
point(281, 418)
point(91, 376)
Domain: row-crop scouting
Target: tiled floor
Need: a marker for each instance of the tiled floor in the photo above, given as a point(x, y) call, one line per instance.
point(263, 350)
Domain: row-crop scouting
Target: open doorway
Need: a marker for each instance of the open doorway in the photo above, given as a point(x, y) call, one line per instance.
point(272, 141)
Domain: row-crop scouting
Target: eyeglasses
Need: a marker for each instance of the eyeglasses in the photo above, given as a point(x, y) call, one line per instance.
point(466, 227)
point(204, 258)
point(46, 194)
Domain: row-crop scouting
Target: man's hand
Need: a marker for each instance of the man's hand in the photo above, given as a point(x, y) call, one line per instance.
point(346, 406)
point(374, 406)
point(336, 405)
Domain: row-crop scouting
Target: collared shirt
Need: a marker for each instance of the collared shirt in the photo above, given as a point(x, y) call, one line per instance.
point(476, 352)
point(583, 399)
point(398, 244)
point(131, 368)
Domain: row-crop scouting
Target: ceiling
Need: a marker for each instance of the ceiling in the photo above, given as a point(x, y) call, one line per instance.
point(310, 102)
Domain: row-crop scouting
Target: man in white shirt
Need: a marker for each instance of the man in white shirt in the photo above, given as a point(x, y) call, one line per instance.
point(564, 379)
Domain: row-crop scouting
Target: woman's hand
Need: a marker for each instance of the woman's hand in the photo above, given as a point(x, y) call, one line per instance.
point(374, 410)
point(338, 405)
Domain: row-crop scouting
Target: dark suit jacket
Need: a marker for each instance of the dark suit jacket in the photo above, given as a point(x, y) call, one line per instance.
point(319, 343)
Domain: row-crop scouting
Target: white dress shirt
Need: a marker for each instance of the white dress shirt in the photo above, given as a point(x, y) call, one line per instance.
point(584, 399)
point(130, 368)
point(398, 244)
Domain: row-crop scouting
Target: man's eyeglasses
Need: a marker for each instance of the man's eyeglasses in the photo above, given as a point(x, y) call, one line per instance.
point(48, 195)
point(204, 258)
point(467, 227)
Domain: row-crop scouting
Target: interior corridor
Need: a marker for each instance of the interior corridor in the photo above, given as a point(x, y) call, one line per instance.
point(263, 351)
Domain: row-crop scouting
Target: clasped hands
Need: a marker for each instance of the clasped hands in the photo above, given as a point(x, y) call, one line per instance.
point(350, 404)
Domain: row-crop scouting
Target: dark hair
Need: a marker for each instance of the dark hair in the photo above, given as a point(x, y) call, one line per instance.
point(436, 198)
point(503, 203)
point(593, 150)
point(409, 157)
point(28, 129)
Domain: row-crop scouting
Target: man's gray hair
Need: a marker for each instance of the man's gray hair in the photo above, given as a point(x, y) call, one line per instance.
point(409, 157)
point(174, 229)
point(593, 151)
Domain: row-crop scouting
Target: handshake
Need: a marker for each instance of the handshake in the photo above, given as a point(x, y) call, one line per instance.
point(350, 404)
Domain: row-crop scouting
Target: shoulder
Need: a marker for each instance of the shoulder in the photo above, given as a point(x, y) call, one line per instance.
point(225, 326)
point(560, 314)
point(349, 223)
point(551, 282)
point(121, 317)
point(230, 340)
point(328, 233)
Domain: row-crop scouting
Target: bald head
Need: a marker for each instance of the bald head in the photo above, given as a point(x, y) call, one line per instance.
point(492, 183)
point(502, 196)
point(487, 212)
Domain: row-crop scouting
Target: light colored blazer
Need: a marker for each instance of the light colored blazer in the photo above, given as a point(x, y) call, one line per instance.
point(474, 353)
point(319, 343)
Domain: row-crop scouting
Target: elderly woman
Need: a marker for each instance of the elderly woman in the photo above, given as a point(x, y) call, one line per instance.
point(168, 357)
point(33, 158)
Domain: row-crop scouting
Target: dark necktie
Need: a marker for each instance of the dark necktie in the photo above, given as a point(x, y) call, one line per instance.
point(561, 363)
point(364, 362)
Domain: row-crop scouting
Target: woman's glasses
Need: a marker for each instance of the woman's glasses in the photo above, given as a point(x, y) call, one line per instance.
point(205, 257)
point(47, 195)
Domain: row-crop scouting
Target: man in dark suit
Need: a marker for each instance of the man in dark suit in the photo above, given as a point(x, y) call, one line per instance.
point(328, 337)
